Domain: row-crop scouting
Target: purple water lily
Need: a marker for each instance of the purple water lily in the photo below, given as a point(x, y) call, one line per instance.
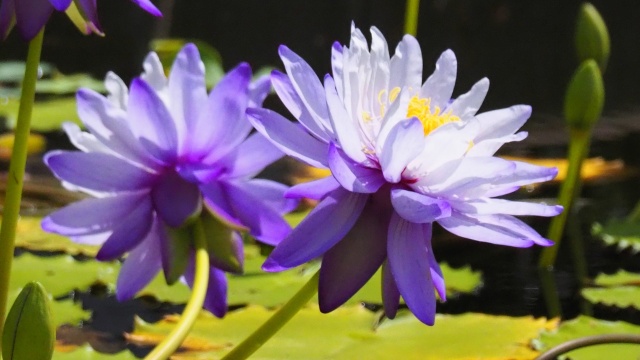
point(161, 154)
point(403, 155)
point(31, 15)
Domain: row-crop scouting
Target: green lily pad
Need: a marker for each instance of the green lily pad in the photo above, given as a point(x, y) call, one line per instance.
point(350, 333)
point(29, 235)
point(68, 312)
point(13, 71)
point(586, 326)
point(47, 115)
point(59, 274)
point(621, 233)
point(620, 290)
point(68, 84)
point(85, 352)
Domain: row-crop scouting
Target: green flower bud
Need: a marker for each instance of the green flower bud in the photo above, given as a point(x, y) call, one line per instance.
point(585, 97)
point(592, 36)
point(29, 332)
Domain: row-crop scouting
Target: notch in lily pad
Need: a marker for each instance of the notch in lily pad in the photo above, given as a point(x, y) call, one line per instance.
point(29, 332)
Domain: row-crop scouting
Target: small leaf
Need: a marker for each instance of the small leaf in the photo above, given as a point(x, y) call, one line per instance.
point(47, 115)
point(585, 97)
point(592, 36)
point(29, 332)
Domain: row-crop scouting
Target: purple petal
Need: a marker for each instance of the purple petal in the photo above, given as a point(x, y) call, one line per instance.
point(60, 5)
point(288, 137)
point(404, 142)
point(292, 101)
point(216, 298)
point(96, 171)
point(325, 225)
point(252, 156)
point(217, 202)
point(187, 91)
point(390, 292)
point(89, 10)
point(499, 206)
point(154, 125)
point(126, 236)
point(147, 6)
point(352, 175)
point(7, 17)
point(406, 65)
point(31, 16)
point(92, 216)
point(258, 90)
point(409, 264)
point(306, 84)
point(270, 193)
point(225, 114)
point(109, 124)
point(348, 265)
point(439, 86)
point(495, 229)
point(315, 189)
point(344, 126)
point(175, 199)
point(418, 208)
point(141, 265)
point(436, 273)
point(266, 223)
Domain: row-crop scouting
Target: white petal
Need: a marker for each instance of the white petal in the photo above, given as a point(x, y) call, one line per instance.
point(406, 65)
point(439, 86)
point(118, 92)
point(343, 125)
point(469, 103)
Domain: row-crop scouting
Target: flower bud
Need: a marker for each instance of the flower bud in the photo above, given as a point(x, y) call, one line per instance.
point(585, 96)
point(29, 332)
point(592, 37)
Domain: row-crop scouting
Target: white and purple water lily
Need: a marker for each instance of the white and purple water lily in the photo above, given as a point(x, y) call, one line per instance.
point(403, 155)
point(153, 156)
point(31, 15)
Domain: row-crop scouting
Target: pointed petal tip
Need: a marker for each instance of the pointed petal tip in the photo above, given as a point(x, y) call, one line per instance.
point(271, 265)
point(337, 46)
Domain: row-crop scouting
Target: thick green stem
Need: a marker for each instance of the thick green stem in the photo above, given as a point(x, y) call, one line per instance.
point(200, 283)
point(570, 188)
point(275, 322)
point(13, 196)
point(411, 17)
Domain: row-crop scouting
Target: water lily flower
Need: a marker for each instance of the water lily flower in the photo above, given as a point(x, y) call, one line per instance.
point(31, 15)
point(159, 155)
point(403, 155)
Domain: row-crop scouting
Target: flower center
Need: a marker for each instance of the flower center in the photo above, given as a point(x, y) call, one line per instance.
point(430, 119)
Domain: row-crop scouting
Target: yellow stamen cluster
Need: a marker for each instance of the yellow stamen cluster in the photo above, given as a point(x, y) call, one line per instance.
point(430, 119)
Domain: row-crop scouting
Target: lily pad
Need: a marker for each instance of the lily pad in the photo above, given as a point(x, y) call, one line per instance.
point(621, 233)
point(350, 332)
point(61, 84)
point(47, 115)
point(586, 326)
point(68, 312)
point(85, 352)
point(621, 278)
point(622, 296)
point(59, 274)
point(29, 235)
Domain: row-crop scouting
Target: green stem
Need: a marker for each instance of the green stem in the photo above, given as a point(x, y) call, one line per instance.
point(11, 208)
point(200, 283)
point(275, 322)
point(570, 188)
point(583, 342)
point(411, 17)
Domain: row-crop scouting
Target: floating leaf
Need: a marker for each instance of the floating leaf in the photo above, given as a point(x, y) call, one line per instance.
point(47, 115)
point(618, 279)
point(350, 333)
point(85, 352)
point(68, 312)
point(621, 233)
point(29, 235)
point(59, 274)
point(13, 71)
point(61, 84)
point(622, 296)
point(586, 326)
